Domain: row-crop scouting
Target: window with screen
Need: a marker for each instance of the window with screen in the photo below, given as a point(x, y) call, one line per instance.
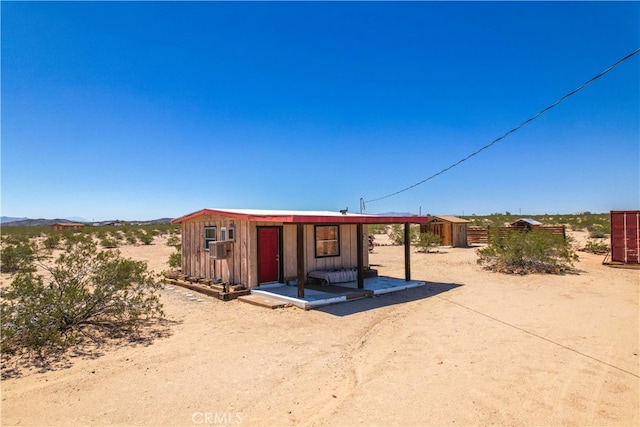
point(210, 235)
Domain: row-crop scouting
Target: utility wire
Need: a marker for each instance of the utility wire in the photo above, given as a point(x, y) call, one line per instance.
point(541, 337)
point(530, 119)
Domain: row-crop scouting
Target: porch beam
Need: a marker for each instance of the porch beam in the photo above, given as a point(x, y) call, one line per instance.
point(360, 255)
point(300, 261)
point(407, 251)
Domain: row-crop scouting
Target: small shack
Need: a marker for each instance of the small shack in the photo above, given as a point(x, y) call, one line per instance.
point(451, 229)
point(625, 237)
point(67, 226)
point(528, 224)
point(255, 247)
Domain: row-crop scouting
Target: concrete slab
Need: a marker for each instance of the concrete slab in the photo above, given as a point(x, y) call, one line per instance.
point(316, 297)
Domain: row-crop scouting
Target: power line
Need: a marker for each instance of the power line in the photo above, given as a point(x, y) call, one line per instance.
point(530, 119)
point(541, 337)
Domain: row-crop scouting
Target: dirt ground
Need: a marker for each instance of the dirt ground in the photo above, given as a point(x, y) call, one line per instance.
point(470, 348)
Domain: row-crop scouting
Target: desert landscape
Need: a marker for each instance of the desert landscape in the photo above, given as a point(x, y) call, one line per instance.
point(471, 348)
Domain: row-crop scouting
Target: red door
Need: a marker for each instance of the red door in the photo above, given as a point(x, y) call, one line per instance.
point(268, 254)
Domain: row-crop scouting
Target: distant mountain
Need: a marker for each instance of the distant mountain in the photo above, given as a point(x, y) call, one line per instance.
point(76, 219)
point(35, 222)
point(145, 222)
point(22, 222)
point(396, 214)
point(5, 219)
point(155, 221)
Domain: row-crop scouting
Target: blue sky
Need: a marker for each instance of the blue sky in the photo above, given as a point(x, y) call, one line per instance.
point(153, 109)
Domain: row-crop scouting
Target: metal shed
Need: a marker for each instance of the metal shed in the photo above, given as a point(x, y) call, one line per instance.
point(526, 224)
point(625, 237)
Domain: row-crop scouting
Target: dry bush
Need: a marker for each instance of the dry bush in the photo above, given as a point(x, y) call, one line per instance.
point(527, 252)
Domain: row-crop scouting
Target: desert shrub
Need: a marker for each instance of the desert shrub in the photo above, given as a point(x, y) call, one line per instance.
point(527, 252)
point(425, 242)
point(396, 234)
point(598, 231)
point(52, 241)
point(175, 260)
point(117, 235)
point(17, 253)
point(72, 239)
point(146, 238)
point(86, 292)
point(108, 242)
point(131, 238)
point(175, 241)
point(598, 234)
point(24, 231)
point(377, 229)
point(596, 247)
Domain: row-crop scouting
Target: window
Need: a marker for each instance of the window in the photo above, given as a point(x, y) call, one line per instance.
point(210, 235)
point(327, 240)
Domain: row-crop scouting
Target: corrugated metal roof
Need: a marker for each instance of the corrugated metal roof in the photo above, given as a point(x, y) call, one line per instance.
point(308, 217)
point(529, 220)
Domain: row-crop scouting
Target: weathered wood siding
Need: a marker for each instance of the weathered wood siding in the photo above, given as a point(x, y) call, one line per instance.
point(241, 266)
point(196, 261)
point(453, 233)
point(459, 232)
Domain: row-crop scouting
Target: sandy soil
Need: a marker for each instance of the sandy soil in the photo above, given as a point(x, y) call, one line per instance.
point(471, 348)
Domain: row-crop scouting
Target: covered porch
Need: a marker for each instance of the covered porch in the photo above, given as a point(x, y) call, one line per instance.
point(378, 285)
point(316, 295)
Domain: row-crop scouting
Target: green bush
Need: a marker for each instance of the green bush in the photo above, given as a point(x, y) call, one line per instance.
point(175, 241)
point(425, 242)
point(72, 239)
point(86, 292)
point(175, 260)
point(598, 231)
point(131, 238)
point(527, 252)
point(396, 234)
point(52, 241)
point(17, 253)
point(146, 238)
point(108, 242)
point(377, 229)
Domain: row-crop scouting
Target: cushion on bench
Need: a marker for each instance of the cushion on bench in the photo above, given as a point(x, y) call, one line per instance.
point(335, 276)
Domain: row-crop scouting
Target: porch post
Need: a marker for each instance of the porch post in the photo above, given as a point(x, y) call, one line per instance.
point(407, 251)
point(300, 256)
point(360, 255)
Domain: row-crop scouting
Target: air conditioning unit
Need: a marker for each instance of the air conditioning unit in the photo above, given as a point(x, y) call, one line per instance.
point(228, 234)
point(218, 250)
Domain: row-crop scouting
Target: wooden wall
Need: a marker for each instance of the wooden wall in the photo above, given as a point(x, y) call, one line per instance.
point(196, 261)
point(459, 235)
point(453, 234)
point(241, 265)
point(480, 234)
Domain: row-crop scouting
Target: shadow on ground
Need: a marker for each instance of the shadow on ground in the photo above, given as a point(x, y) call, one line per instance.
point(53, 359)
point(371, 303)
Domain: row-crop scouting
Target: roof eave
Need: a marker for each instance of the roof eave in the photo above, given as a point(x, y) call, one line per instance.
point(307, 219)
